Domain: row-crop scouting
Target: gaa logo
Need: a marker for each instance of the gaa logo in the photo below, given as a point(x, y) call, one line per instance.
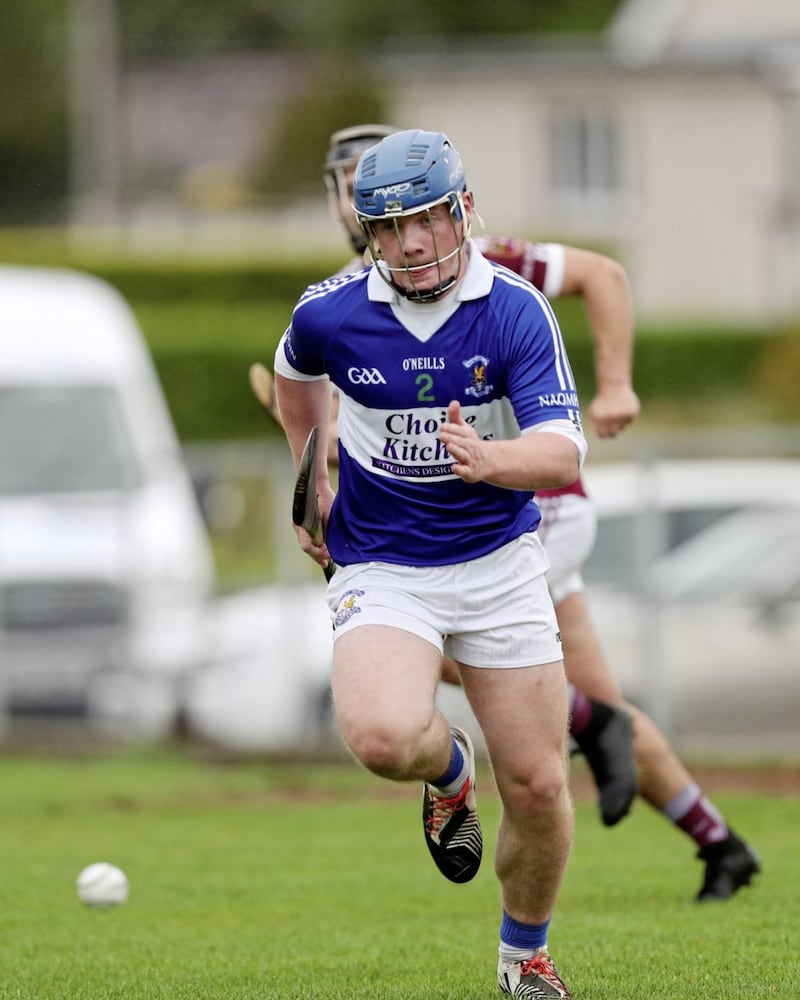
point(365, 376)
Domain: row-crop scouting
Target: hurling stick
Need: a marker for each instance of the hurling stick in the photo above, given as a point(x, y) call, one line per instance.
point(305, 509)
point(263, 386)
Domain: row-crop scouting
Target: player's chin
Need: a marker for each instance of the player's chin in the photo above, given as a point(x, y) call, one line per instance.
point(420, 282)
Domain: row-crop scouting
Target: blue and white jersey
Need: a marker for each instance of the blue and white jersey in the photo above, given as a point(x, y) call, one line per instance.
point(493, 344)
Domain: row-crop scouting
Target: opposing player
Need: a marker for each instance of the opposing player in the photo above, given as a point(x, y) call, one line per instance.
point(567, 531)
point(456, 402)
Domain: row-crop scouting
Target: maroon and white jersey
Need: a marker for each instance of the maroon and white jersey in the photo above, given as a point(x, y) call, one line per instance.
point(543, 265)
point(540, 263)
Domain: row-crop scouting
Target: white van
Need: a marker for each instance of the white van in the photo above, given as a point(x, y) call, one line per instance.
point(105, 566)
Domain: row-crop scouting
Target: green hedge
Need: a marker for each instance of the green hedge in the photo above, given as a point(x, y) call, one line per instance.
point(203, 350)
point(690, 364)
point(207, 322)
point(209, 394)
point(222, 283)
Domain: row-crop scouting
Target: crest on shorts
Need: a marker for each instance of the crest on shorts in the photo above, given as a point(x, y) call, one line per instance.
point(347, 607)
point(478, 386)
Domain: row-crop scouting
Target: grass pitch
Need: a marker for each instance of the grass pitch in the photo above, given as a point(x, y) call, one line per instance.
point(254, 881)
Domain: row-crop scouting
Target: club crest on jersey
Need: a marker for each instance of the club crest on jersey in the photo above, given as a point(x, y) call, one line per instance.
point(478, 385)
point(347, 607)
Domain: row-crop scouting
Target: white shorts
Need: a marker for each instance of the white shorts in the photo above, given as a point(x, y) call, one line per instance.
point(495, 611)
point(567, 531)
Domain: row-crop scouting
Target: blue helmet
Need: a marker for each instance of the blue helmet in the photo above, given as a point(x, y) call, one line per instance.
point(408, 172)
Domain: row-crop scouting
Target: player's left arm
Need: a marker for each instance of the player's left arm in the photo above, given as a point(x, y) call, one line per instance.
point(546, 457)
point(603, 284)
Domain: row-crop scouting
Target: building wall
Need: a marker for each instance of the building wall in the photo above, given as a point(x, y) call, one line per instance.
point(701, 168)
point(185, 114)
point(658, 25)
point(710, 159)
point(705, 213)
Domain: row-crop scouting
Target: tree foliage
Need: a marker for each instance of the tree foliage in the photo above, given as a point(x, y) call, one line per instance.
point(158, 26)
point(33, 113)
point(340, 93)
point(34, 70)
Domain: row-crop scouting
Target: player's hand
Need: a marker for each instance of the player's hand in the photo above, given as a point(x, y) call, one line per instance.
point(612, 410)
point(464, 445)
point(319, 553)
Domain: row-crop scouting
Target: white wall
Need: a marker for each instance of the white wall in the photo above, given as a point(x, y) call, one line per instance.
point(703, 160)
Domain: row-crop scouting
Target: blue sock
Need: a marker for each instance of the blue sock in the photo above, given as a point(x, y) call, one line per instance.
point(517, 939)
point(454, 768)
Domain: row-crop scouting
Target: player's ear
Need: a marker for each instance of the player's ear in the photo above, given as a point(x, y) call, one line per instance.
point(468, 205)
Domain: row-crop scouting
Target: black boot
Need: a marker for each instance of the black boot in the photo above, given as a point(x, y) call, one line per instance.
point(607, 744)
point(730, 864)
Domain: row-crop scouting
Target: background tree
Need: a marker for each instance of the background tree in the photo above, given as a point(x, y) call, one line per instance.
point(33, 110)
point(34, 80)
point(340, 92)
point(160, 27)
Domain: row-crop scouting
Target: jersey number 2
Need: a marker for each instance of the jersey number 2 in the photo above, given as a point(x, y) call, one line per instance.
point(424, 394)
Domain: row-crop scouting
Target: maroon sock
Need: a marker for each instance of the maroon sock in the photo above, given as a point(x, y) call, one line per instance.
point(692, 812)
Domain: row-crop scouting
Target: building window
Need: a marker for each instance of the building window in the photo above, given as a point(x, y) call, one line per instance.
point(586, 159)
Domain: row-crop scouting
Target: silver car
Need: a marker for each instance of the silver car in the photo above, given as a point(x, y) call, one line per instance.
point(694, 586)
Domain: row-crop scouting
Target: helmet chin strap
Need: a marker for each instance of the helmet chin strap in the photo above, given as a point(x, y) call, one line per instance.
point(428, 294)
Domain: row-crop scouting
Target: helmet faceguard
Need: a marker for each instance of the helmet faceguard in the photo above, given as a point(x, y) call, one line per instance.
point(405, 174)
point(344, 149)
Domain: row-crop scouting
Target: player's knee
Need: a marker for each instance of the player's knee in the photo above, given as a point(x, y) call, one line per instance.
point(385, 750)
point(539, 791)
